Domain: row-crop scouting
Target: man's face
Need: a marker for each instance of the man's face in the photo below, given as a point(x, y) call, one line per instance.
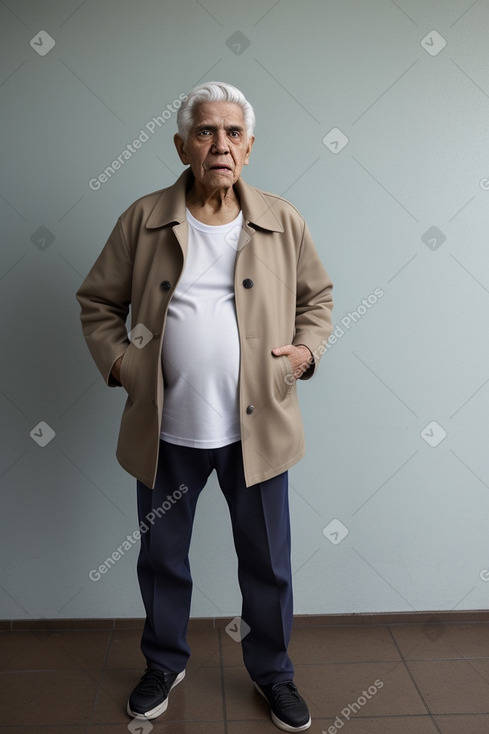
point(217, 146)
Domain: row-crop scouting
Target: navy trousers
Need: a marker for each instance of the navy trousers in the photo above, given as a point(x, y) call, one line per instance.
point(261, 532)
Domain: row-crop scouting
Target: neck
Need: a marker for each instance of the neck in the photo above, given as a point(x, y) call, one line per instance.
point(218, 206)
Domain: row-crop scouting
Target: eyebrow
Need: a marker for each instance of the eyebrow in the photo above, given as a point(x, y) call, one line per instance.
point(210, 126)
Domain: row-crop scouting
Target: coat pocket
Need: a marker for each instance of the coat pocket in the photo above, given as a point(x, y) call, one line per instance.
point(283, 377)
point(126, 371)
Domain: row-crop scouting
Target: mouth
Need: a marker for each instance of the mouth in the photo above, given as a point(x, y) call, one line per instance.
point(219, 167)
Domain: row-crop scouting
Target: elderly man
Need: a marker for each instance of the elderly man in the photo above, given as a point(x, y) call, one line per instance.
point(230, 305)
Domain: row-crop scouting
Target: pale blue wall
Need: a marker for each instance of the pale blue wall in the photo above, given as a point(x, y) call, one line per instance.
point(416, 116)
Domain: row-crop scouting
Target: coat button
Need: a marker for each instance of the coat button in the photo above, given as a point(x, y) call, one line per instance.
point(250, 409)
point(165, 286)
point(248, 283)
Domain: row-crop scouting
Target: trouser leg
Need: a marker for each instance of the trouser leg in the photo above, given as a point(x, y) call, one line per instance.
point(261, 530)
point(163, 566)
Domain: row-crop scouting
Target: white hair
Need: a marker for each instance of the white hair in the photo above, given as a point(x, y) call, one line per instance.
point(213, 92)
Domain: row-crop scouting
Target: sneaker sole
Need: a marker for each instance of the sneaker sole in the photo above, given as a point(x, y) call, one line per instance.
point(278, 722)
point(161, 708)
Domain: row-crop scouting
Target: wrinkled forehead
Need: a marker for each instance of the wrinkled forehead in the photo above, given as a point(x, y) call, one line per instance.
point(218, 114)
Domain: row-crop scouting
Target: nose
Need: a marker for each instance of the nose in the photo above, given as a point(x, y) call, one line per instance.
point(220, 143)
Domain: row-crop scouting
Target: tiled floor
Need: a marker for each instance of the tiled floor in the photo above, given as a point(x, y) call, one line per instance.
point(375, 679)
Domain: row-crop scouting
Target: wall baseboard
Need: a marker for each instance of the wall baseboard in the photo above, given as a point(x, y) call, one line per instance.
point(300, 620)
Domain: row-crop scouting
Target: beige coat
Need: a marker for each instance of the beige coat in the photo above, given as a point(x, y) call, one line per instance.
point(282, 296)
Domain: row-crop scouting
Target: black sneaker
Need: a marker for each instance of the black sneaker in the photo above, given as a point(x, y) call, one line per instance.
point(150, 697)
point(288, 708)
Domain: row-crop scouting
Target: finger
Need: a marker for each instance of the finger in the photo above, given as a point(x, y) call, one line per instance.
point(280, 351)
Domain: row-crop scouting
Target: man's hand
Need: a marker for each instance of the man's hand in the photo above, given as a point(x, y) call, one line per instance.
point(300, 357)
point(116, 369)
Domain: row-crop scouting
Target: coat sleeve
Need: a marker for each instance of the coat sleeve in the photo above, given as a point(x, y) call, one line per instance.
point(104, 298)
point(314, 302)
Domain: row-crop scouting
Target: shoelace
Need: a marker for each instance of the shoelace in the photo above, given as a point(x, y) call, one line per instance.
point(153, 679)
point(285, 694)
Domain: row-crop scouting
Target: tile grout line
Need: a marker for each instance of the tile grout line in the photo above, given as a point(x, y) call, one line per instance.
point(406, 668)
point(99, 690)
point(223, 685)
point(428, 711)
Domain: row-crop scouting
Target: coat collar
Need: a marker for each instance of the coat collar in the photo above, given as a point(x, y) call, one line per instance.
point(170, 206)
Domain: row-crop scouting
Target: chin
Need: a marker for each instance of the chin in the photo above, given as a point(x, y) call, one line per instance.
point(226, 178)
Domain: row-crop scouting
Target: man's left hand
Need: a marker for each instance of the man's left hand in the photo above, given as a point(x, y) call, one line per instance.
point(300, 357)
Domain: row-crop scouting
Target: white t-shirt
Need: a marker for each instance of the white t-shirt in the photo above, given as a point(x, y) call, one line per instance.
point(200, 354)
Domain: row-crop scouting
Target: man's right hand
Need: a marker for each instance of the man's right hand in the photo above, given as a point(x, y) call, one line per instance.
point(116, 369)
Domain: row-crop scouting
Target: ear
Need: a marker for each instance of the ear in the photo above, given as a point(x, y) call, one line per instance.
point(248, 150)
point(180, 146)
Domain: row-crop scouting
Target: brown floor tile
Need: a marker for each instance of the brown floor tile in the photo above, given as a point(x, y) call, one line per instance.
point(231, 650)
point(125, 651)
point(136, 623)
point(261, 726)
point(197, 697)
point(330, 689)
point(378, 725)
point(200, 696)
point(204, 648)
point(85, 649)
point(475, 724)
point(94, 670)
point(203, 624)
point(160, 726)
point(442, 642)
point(342, 644)
point(33, 698)
point(453, 686)
point(383, 725)
point(243, 702)
point(55, 625)
point(318, 645)
point(332, 620)
point(111, 700)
